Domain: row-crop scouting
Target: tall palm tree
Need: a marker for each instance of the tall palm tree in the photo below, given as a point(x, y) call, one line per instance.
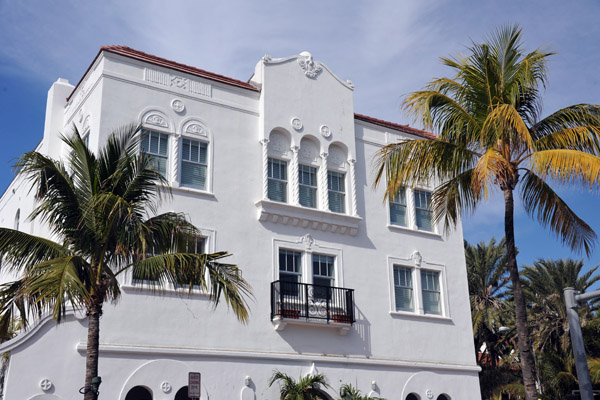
point(101, 212)
point(491, 138)
point(487, 277)
point(349, 392)
point(306, 388)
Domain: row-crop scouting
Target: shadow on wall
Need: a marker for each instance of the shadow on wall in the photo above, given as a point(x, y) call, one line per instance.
point(327, 341)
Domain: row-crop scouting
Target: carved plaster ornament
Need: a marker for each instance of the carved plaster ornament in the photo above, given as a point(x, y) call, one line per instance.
point(429, 394)
point(155, 119)
point(179, 82)
point(349, 82)
point(310, 68)
point(308, 151)
point(196, 129)
point(45, 384)
point(325, 131)
point(177, 105)
point(416, 256)
point(247, 380)
point(165, 387)
point(308, 241)
point(266, 58)
point(374, 385)
point(336, 157)
point(296, 123)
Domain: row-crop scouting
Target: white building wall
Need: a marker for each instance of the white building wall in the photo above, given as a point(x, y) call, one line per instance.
point(163, 335)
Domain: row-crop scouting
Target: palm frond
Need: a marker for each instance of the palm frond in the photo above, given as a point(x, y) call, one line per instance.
point(21, 251)
point(543, 203)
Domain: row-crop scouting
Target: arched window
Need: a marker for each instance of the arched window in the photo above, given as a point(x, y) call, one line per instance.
point(182, 394)
point(443, 397)
point(139, 393)
point(413, 396)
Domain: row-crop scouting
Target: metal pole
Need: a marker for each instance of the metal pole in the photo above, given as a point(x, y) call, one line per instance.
point(583, 373)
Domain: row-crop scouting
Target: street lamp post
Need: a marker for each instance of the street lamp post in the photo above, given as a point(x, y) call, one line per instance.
point(574, 300)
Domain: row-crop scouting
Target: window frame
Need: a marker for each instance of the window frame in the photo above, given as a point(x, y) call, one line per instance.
point(207, 179)
point(408, 218)
point(415, 269)
point(168, 173)
point(287, 179)
point(344, 194)
point(314, 188)
point(415, 191)
point(209, 237)
point(306, 259)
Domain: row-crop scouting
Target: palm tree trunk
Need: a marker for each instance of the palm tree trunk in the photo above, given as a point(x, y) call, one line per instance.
point(525, 351)
point(91, 355)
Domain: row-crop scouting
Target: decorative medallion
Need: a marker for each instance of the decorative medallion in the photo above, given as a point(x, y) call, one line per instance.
point(310, 68)
point(296, 123)
point(45, 384)
point(177, 105)
point(429, 394)
point(325, 131)
point(165, 387)
point(158, 120)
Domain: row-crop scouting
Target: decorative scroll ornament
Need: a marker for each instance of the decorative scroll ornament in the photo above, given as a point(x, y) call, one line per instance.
point(416, 256)
point(296, 123)
point(196, 129)
point(325, 131)
point(429, 394)
point(308, 241)
point(177, 105)
point(158, 120)
point(165, 387)
point(45, 384)
point(266, 58)
point(310, 68)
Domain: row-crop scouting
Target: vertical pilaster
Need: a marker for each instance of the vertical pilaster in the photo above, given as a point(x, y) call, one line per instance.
point(322, 184)
point(352, 164)
point(175, 173)
point(265, 160)
point(293, 174)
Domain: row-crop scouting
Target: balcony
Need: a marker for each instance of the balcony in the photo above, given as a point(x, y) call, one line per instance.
point(301, 303)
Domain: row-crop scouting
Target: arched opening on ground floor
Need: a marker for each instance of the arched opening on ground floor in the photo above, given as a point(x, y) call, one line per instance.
point(139, 393)
point(413, 396)
point(182, 394)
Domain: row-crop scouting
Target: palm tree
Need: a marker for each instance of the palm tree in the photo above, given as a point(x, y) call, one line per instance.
point(487, 278)
point(306, 388)
point(543, 284)
point(490, 138)
point(100, 211)
point(349, 392)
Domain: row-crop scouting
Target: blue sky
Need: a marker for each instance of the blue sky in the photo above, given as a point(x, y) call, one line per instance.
point(388, 48)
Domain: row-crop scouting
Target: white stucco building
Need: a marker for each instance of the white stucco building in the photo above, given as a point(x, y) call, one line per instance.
point(278, 171)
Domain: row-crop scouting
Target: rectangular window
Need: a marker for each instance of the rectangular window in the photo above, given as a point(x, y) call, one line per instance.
point(277, 185)
point(290, 271)
point(430, 283)
point(307, 180)
point(337, 191)
point(196, 246)
point(323, 275)
point(193, 163)
point(398, 208)
point(156, 146)
point(403, 289)
point(423, 211)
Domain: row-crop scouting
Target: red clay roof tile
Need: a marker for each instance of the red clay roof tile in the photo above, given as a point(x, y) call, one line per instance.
point(397, 127)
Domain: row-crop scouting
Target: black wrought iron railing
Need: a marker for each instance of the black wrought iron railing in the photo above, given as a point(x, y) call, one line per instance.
point(312, 302)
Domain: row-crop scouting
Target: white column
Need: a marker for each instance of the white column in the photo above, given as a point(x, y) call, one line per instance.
point(354, 204)
point(293, 174)
point(265, 159)
point(175, 173)
point(322, 183)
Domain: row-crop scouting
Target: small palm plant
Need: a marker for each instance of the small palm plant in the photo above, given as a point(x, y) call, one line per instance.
point(100, 209)
point(349, 392)
point(306, 388)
